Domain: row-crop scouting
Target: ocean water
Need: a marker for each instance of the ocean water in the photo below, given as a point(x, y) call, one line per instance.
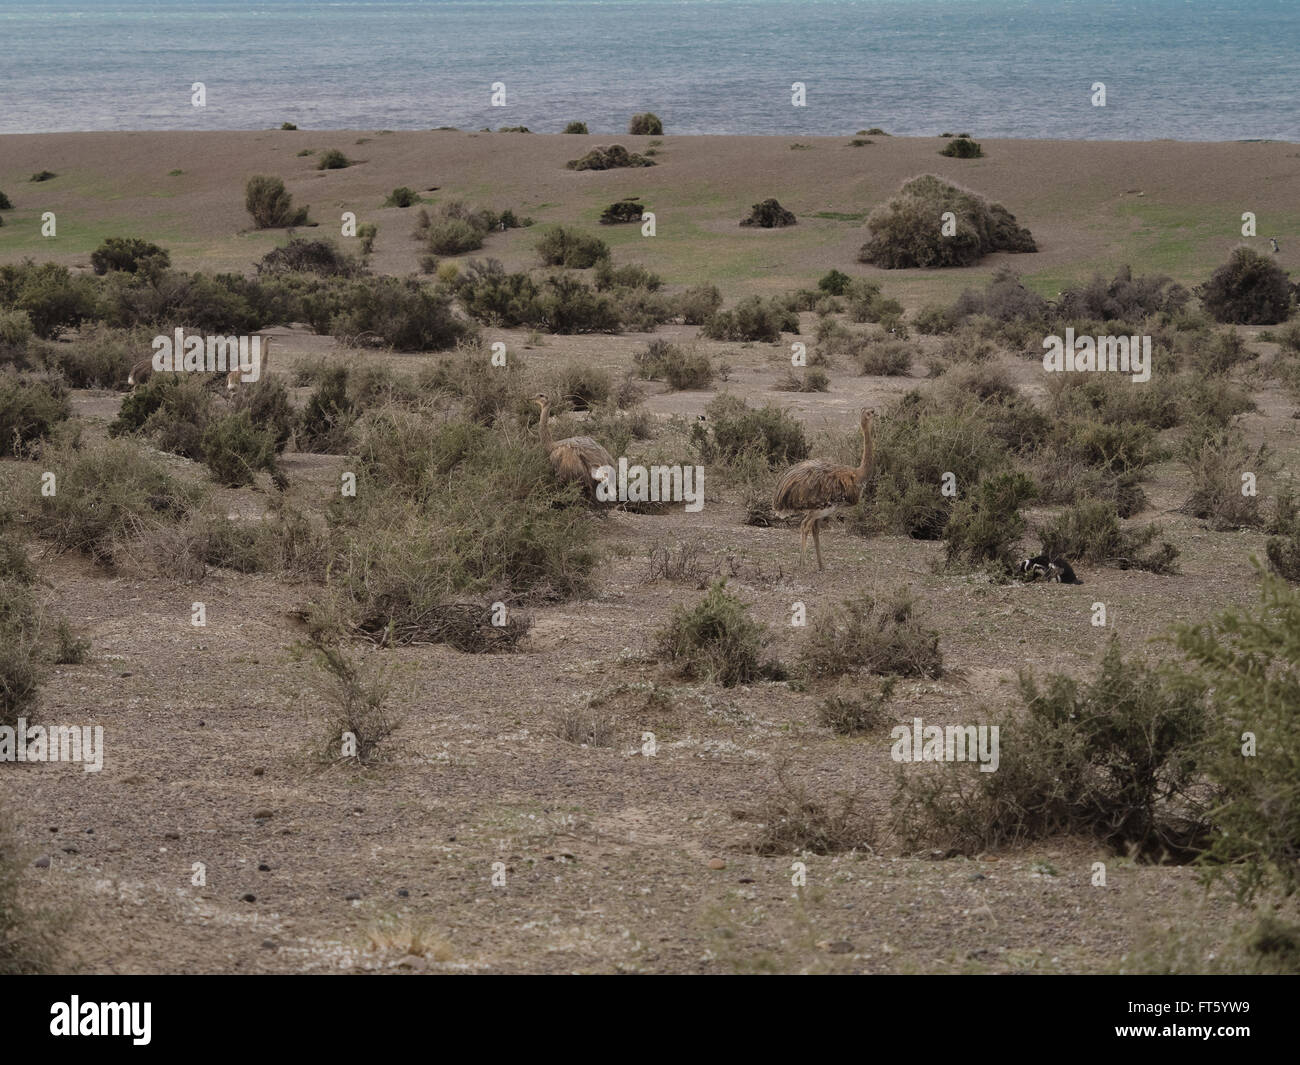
point(1185, 69)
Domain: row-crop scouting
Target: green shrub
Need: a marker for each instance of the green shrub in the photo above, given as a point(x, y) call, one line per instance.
point(130, 255)
point(575, 127)
point(735, 430)
point(812, 380)
point(1250, 662)
point(51, 297)
point(30, 407)
point(987, 525)
point(5, 203)
point(271, 206)
point(697, 305)
point(267, 402)
point(43, 175)
point(769, 215)
point(454, 236)
point(329, 413)
point(611, 158)
point(834, 283)
point(962, 148)
point(629, 210)
point(402, 197)
point(754, 319)
point(308, 256)
point(716, 640)
point(1114, 759)
point(1090, 532)
point(333, 159)
point(100, 357)
point(234, 449)
point(906, 232)
point(646, 124)
point(682, 369)
point(1249, 289)
point(111, 492)
point(402, 312)
point(571, 248)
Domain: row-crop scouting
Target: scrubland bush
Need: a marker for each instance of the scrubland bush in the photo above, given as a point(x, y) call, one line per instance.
point(629, 210)
point(271, 206)
point(754, 319)
point(716, 640)
point(308, 256)
point(1113, 759)
point(869, 635)
point(769, 215)
point(575, 127)
point(904, 232)
point(986, 526)
point(1249, 289)
point(30, 407)
point(853, 713)
point(682, 369)
point(736, 430)
point(51, 297)
point(129, 254)
point(791, 820)
point(563, 246)
point(1217, 463)
point(329, 413)
point(107, 494)
point(962, 148)
point(612, 158)
point(402, 196)
point(697, 305)
point(1090, 531)
point(333, 159)
point(235, 449)
point(645, 124)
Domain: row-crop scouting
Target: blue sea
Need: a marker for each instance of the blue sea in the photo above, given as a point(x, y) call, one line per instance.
point(1184, 69)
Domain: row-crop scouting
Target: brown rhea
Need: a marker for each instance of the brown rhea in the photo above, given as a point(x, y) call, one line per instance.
point(817, 488)
point(576, 458)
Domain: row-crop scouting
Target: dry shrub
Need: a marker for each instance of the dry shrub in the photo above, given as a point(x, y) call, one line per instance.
point(868, 635)
point(792, 821)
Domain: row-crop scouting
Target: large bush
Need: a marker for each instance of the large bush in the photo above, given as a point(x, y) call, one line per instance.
point(1249, 289)
point(129, 254)
point(906, 231)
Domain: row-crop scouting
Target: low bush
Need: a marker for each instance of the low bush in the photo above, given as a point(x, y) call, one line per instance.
point(271, 206)
point(870, 635)
point(612, 158)
point(1249, 289)
point(716, 640)
point(129, 254)
point(645, 124)
point(571, 248)
point(30, 407)
point(769, 215)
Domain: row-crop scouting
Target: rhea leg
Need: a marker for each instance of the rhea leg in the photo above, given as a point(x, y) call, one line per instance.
point(803, 539)
point(817, 544)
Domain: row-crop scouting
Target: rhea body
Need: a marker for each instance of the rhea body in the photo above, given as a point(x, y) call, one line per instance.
point(576, 458)
point(817, 488)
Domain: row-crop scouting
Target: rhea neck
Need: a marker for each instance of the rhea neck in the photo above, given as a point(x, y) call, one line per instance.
point(865, 467)
point(544, 428)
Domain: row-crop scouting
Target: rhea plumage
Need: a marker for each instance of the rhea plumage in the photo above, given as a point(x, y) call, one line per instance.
point(576, 458)
point(816, 488)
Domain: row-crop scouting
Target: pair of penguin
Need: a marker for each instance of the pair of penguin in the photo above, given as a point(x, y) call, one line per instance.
point(1047, 568)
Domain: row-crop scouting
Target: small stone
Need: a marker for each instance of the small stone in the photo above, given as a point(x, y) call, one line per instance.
point(249, 897)
point(71, 850)
point(402, 893)
point(124, 674)
point(263, 815)
point(54, 828)
point(263, 868)
point(268, 944)
point(202, 723)
point(745, 880)
point(259, 771)
point(977, 876)
point(717, 863)
point(836, 946)
point(42, 863)
point(171, 835)
point(352, 896)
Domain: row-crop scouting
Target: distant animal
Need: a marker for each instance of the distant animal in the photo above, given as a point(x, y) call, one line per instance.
point(576, 458)
point(817, 488)
point(1273, 241)
point(234, 378)
point(1047, 568)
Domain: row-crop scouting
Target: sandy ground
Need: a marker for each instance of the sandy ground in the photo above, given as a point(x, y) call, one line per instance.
point(612, 861)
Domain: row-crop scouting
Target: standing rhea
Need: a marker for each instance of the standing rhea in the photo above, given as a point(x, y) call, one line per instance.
point(577, 458)
point(815, 488)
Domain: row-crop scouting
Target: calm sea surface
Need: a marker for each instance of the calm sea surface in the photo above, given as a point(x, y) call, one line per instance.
point(1186, 69)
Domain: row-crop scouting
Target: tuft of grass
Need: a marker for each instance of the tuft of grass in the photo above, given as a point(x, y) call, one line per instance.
point(864, 634)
